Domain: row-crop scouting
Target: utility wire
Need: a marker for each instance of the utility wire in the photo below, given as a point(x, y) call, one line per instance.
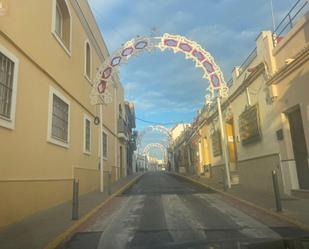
point(154, 30)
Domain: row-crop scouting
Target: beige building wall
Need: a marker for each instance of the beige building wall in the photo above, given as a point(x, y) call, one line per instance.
point(177, 130)
point(290, 83)
point(32, 168)
point(277, 82)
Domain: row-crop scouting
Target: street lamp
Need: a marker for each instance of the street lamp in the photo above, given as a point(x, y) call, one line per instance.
point(224, 144)
point(101, 151)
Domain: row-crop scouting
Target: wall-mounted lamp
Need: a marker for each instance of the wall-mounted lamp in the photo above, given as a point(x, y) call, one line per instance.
point(289, 61)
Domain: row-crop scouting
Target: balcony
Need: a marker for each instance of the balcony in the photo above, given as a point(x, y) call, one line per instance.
point(122, 130)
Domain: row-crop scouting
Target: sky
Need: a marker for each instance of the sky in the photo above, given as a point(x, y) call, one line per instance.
point(165, 87)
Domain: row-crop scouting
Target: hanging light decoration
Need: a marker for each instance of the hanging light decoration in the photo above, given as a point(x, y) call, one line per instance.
point(100, 93)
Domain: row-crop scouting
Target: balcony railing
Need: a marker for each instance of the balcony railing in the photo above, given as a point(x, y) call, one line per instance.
point(248, 60)
point(288, 22)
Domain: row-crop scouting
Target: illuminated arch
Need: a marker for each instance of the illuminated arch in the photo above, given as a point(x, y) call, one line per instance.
point(100, 93)
point(152, 128)
point(159, 146)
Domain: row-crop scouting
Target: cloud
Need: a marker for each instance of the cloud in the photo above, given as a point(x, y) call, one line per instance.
point(131, 86)
point(164, 86)
point(104, 7)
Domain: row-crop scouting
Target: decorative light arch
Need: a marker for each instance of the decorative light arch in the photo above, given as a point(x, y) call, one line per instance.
point(159, 146)
point(152, 128)
point(217, 87)
point(100, 93)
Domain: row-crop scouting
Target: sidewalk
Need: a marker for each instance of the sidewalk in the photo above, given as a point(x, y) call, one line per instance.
point(293, 208)
point(38, 230)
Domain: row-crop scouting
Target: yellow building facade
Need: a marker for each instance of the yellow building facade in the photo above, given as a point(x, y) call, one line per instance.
point(49, 54)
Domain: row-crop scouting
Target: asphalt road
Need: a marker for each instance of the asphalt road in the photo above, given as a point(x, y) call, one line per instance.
point(164, 211)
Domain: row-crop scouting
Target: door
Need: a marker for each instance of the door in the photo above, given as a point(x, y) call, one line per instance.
point(229, 126)
point(121, 162)
point(206, 157)
point(299, 147)
point(200, 153)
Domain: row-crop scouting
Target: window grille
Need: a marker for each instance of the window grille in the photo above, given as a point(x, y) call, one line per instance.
point(60, 119)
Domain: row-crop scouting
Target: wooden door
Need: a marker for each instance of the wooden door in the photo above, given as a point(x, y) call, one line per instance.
point(229, 126)
point(206, 157)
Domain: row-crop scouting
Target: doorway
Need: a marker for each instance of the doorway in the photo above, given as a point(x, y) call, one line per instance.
point(231, 145)
point(299, 146)
point(207, 169)
point(121, 162)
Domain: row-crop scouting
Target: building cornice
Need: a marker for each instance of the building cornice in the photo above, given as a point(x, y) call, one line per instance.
point(299, 59)
point(48, 75)
point(103, 55)
point(260, 68)
point(94, 42)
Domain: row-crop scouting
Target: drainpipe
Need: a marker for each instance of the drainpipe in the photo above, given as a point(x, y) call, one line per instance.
point(116, 125)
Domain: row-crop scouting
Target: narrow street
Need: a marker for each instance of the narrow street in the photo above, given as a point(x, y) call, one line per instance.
point(163, 211)
point(154, 124)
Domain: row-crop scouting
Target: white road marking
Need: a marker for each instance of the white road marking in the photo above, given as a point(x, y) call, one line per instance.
point(180, 221)
point(106, 218)
point(249, 226)
point(121, 226)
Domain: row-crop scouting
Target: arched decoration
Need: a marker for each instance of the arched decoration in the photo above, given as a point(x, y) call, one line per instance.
point(153, 128)
point(100, 92)
point(159, 146)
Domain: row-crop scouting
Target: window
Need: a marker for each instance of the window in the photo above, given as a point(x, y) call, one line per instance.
point(59, 117)
point(249, 125)
point(59, 21)
point(87, 60)
point(62, 24)
point(8, 84)
point(104, 138)
point(87, 134)
point(216, 143)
